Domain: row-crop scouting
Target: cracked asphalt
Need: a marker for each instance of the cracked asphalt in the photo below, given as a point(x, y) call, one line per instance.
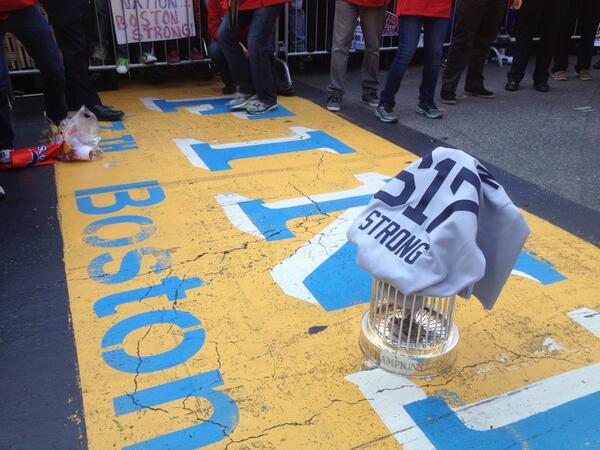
point(270, 369)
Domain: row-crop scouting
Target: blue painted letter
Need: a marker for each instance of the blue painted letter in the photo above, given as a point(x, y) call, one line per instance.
point(120, 360)
point(225, 415)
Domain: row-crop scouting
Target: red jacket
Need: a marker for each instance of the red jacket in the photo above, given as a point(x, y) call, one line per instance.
point(217, 9)
point(429, 8)
point(255, 4)
point(369, 3)
point(13, 5)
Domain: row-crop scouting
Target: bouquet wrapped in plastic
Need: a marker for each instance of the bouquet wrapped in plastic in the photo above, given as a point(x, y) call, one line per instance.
point(80, 137)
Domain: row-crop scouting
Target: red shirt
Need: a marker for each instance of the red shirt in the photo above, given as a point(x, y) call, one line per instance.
point(217, 9)
point(369, 3)
point(428, 8)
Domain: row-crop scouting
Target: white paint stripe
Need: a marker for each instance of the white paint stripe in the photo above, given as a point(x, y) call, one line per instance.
point(532, 399)
point(239, 219)
point(388, 393)
point(298, 134)
point(291, 273)
point(587, 318)
point(371, 183)
point(185, 145)
point(524, 275)
point(149, 103)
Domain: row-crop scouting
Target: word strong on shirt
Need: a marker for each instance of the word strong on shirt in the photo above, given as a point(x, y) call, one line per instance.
point(396, 239)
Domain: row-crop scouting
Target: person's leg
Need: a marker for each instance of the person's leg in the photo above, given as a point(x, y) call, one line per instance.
point(260, 53)
point(343, 31)
point(372, 21)
point(297, 26)
point(30, 27)
point(589, 17)
point(553, 13)
point(229, 44)
point(435, 32)
point(467, 22)
point(494, 12)
point(409, 30)
point(69, 18)
point(216, 55)
point(527, 25)
point(7, 135)
point(563, 39)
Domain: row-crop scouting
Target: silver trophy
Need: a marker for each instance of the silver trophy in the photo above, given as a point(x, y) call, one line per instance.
point(410, 335)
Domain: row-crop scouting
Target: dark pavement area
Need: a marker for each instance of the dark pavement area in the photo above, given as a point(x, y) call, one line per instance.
point(552, 140)
point(39, 382)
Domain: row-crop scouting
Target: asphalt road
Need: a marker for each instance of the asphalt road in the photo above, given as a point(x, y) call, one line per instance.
point(551, 140)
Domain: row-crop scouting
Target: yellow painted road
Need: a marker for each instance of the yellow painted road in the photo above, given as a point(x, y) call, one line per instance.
point(233, 361)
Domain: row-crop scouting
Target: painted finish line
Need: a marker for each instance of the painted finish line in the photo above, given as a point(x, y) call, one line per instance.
point(212, 297)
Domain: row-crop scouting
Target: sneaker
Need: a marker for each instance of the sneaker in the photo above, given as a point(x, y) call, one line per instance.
point(240, 101)
point(386, 114)
point(512, 86)
point(430, 111)
point(481, 93)
point(229, 89)
point(371, 98)
point(99, 53)
point(196, 55)
point(560, 75)
point(173, 57)
point(286, 90)
point(541, 86)
point(334, 102)
point(449, 98)
point(260, 107)
point(148, 58)
point(122, 66)
point(584, 75)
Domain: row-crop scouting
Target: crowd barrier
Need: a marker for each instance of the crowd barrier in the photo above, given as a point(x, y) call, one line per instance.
point(305, 28)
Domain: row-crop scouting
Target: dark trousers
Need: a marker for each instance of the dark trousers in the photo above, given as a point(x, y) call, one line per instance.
point(477, 23)
point(69, 19)
point(216, 55)
point(587, 15)
point(254, 75)
point(545, 16)
point(408, 34)
point(30, 27)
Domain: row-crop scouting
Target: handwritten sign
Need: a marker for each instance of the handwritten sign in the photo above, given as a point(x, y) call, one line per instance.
point(390, 29)
point(152, 20)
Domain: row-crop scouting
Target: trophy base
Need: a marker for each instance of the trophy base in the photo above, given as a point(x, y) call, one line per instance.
point(417, 364)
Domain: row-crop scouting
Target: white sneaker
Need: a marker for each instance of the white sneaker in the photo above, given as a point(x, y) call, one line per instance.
point(240, 101)
point(122, 66)
point(149, 58)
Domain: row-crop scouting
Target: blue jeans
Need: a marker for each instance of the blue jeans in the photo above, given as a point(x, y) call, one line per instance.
point(297, 26)
point(30, 27)
point(409, 32)
point(255, 74)
point(216, 55)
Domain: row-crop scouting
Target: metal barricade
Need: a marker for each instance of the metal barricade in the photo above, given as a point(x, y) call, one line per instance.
point(410, 335)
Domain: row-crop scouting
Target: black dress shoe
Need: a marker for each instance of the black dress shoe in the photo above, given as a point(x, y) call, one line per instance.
point(541, 86)
point(512, 86)
point(106, 114)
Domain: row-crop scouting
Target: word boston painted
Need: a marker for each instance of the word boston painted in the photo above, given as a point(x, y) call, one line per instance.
point(106, 204)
